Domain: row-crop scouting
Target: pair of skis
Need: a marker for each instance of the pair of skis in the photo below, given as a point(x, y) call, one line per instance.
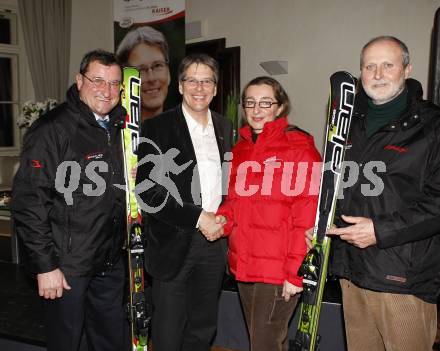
point(137, 310)
point(314, 267)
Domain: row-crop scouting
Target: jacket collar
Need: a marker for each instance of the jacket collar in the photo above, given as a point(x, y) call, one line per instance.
point(407, 120)
point(415, 94)
point(116, 115)
point(182, 129)
point(271, 130)
point(192, 123)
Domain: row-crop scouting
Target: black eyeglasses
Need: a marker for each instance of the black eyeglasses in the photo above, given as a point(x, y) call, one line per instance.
point(157, 67)
point(100, 83)
point(261, 104)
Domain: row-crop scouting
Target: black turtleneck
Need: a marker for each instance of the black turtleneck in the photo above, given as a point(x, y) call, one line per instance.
point(254, 136)
point(380, 115)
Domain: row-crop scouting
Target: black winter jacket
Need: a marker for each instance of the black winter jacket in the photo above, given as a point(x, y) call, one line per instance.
point(406, 214)
point(84, 234)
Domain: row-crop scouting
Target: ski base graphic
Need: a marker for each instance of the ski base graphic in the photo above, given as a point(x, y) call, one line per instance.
point(137, 311)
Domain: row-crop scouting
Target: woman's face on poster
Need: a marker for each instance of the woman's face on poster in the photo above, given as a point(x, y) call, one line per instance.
point(155, 76)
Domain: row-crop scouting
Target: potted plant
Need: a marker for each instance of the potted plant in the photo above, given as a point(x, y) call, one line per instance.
point(31, 111)
point(232, 112)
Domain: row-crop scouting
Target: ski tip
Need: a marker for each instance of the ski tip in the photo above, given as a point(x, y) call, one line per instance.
point(343, 74)
point(340, 77)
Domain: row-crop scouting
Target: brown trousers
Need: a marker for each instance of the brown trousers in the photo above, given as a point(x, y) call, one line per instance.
point(267, 315)
point(378, 321)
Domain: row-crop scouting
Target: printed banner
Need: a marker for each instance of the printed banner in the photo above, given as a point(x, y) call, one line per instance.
point(150, 35)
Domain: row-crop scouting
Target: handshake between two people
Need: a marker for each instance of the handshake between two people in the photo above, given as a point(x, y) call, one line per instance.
point(211, 225)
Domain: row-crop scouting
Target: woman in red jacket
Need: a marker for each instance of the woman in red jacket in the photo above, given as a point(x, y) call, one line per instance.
point(271, 202)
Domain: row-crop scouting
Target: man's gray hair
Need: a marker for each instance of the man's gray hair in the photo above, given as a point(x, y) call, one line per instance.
point(141, 35)
point(402, 45)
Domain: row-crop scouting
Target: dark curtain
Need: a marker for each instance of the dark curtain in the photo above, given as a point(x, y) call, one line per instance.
point(434, 75)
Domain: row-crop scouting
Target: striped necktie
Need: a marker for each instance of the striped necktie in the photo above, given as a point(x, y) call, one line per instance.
point(104, 123)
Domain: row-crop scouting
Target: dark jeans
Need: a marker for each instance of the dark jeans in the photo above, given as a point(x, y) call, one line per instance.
point(185, 308)
point(95, 303)
point(267, 315)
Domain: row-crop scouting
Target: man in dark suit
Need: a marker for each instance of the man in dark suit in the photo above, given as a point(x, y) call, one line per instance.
point(179, 185)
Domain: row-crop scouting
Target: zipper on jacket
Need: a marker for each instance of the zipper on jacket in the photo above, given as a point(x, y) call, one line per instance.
point(112, 161)
point(69, 235)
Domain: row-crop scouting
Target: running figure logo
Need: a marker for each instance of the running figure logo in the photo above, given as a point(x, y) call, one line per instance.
point(163, 165)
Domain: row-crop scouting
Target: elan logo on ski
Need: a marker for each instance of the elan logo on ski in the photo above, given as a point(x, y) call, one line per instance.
point(314, 267)
point(137, 306)
point(342, 109)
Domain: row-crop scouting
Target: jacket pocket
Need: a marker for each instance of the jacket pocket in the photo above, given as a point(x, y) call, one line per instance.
point(396, 264)
point(281, 311)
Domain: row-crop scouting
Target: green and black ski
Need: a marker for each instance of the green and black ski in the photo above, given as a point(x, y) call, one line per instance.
point(314, 267)
point(137, 310)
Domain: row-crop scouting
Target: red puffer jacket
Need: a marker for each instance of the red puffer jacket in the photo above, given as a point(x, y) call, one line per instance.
point(272, 198)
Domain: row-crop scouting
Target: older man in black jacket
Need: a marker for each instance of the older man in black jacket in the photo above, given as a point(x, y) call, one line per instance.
point(69, 214)
point(388, 249)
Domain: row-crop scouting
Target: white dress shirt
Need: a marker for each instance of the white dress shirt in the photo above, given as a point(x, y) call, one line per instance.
point(98, 117)
point(208, 161)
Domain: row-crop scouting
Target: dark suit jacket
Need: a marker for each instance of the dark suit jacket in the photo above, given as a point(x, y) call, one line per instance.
point(170, 225)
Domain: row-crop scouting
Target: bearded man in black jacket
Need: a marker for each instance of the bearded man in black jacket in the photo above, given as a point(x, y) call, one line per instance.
point(70, 215)
point(387, 247)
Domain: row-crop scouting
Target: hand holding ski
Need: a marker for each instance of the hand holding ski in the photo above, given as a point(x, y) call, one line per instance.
point(360, 234)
